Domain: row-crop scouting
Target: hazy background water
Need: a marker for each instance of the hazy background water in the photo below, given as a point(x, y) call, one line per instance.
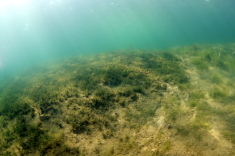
point(36, 31)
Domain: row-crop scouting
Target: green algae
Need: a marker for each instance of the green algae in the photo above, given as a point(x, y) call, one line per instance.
point(107, 93)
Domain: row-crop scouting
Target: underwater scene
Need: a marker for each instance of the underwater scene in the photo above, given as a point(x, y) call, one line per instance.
point(117, 77)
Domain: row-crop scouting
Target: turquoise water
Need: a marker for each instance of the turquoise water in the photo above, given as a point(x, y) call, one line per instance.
point(39, 31)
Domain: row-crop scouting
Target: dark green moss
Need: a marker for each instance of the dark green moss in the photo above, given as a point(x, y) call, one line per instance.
point(218, 93)
point(232, 97)
point(173, 115)
point(166, 65)
point(230, 119)
point(103, 94)
point(87, 79)
point(14, 110)
point(9, 136)
point(79, 123)
point(170, 56)
point(149, 111)
point(162, 87)
point(196, 95)
point(136, 78)
point(204, 107)
point(185, 86)
point(193, 103)
point(127, 92)
point(36, 138)
point(229, 135)
point(21, 127)
point(221, 64)
point(139, 89)
point(134, 96)
point(114, 75)
point(61, 148)
point(30, 136)
point(166, 146)
point(229, 132)
point(177, 78)
point(122, 102)
point(208, 57)
point(88, 83)
point(46, 96)
point(215, 78)
point(200, 64)
point(183, 131)
point(102, 98)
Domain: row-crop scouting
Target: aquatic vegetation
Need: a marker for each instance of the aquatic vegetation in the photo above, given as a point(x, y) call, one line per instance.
point(193, 103)
point(166, 65)
point(194, 129)
point(114, 75)
point(14, 110)
point(173, 114)
point(229, 135)
point(139, 89)
point(196, 95)
point(126, 143)
point(221, 64)
point(85, 80)
point(172, 100)
point(166, 146)
point(183, 131)
point(37, 138)
point(102, 98)
point(218, 93)
point(216, 78)
point(121, 102)
point(185, 86)
point(201, 65)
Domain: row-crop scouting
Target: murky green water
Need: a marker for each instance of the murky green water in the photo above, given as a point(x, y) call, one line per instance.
point(38, 31)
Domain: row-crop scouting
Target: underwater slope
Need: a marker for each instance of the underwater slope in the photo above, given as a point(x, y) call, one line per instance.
point(175, 102)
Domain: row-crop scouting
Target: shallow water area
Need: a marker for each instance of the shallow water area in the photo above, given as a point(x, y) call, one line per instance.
point(103, 78)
